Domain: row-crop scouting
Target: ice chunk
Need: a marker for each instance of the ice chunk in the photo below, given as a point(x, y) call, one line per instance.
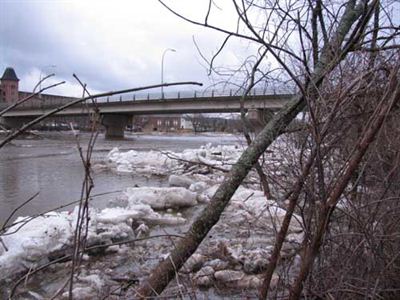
point(31, 243)
point(238, 279)
point(204, 277)
point(117, 215)
point(198, 187)
point(154, 162)
point(180, 181)
point(162, 198)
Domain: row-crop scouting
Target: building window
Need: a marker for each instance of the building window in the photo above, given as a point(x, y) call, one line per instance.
point(159, 122)
point(167, 123)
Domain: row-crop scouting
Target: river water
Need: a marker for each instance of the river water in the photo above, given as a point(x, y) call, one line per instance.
point(49, 163)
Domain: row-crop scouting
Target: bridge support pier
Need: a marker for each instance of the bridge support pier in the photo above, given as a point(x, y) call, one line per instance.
point(15, 122)
point(259, 118)
point(115, 125)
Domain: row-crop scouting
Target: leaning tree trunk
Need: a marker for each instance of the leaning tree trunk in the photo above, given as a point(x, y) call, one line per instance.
point(166, 270)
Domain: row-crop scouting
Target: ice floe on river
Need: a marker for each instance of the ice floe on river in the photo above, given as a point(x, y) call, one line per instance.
point(31, 242)
point(234, 254)
point(161, 163)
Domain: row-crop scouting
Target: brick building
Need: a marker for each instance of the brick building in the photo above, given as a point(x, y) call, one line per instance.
point(9, 86)
point(10, 93)
point(165, 123)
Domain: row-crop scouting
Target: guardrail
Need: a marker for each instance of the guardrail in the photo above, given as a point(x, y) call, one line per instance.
point(192, 94)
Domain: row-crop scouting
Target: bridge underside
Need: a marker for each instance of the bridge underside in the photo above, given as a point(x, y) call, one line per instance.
point(115, 124)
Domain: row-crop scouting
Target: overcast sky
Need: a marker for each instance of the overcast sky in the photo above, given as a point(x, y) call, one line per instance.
point(109, 44)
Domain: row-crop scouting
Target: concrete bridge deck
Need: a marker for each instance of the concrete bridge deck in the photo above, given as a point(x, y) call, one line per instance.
point(117, 114)
point(161, 106)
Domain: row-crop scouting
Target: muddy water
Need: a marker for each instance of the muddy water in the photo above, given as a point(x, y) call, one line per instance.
point(49, 163)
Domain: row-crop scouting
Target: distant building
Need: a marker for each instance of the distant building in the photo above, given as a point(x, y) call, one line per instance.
point(10, 93)
point(186, 123)
point(163, 123)
point(9, 86)
point(203, 123)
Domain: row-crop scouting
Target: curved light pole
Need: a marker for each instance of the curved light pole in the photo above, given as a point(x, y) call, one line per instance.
point(162, 69)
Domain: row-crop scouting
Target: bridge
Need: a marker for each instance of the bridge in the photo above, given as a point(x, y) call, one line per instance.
point(117, 112)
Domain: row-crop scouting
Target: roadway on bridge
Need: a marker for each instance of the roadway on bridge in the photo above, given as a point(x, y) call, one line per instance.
point(163, 106)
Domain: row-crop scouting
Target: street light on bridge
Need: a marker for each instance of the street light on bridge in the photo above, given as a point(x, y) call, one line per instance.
point(162, 69)
point(40, 76)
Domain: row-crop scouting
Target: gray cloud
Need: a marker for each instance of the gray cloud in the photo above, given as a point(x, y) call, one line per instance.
point(109, 47)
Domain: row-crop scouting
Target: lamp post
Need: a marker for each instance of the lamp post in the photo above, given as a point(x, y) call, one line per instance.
point(162, 69)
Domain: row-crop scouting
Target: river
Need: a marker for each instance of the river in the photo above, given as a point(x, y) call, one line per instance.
point(49, 163)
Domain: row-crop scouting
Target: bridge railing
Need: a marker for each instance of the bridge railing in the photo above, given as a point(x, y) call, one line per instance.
point(209, 93)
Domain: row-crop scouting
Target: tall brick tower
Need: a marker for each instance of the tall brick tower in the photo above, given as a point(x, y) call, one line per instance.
point(9, 86)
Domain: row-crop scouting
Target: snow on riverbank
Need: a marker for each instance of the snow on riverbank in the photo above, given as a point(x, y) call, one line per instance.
point(234, 254)
point(30, 244)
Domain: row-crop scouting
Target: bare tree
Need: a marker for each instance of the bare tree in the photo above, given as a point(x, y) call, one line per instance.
point(311, 41)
